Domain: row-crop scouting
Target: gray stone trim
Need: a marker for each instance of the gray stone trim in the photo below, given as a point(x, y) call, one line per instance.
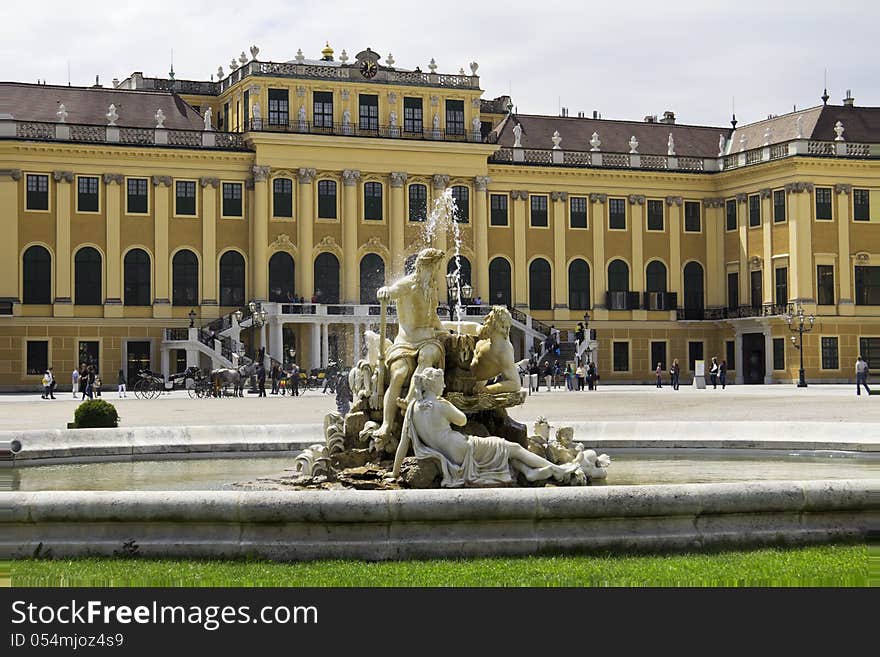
point(798, 187)
point(636, 199)
point(63, 176)
point(117, 178)
point(306, 176)
point(162, 180)
point(842, 188)
point(261, 173)
point(440, 180)
point(674, 200)
point(742, 198)
point(398, 178)
point(598, 197)
point(15, 174)
point(350, 177)
point(204, 181)
point(558, 196)
point(766, 192)
point(481, 183)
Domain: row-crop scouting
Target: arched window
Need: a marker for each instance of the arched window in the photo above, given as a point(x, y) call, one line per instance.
point(499, 282)
point(618, 276)
point(461, 194)
point(693, 286)
point(137, 278)
point(465, 266)
point(327, 278)
point(578, 285)
point(232, 279)
point(37, 276)
point(655, 277)
point(418, 202)
point(185, 279)
point(87, 277)
point(372, 277)
point(281, 277)
point(539, 284)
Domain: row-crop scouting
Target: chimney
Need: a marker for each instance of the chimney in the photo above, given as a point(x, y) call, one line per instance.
point(849, 101)
point(595, 114)
point(668, 117)
point(563, 111)
point(580, 115)
point(651, 118)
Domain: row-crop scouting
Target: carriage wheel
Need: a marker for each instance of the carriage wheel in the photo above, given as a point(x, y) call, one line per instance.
point(194, 391)
point(155, 390)
point(140, 389)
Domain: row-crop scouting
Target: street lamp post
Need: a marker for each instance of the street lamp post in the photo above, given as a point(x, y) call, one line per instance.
point(192, 317)
point(800, 323)
point(258, 318)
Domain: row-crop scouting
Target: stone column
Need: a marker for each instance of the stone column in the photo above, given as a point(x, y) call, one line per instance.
point(637, 220)
point(315, 346)
point(113, 183)
point(769, 278)
point(559, 277)
point(675, 203)
point(396, 219)
point(440, 182)
point(800, 255)
point(325, 345)
point(520, 274)
point(161, 265)
point(260, 255)
point(165, 361)
point(276, 339)
point(350, 269)
point(264, 345)
point(599, 273)
point(192, 357)
point(210, 289)
point(745, 284)
point(768, 355)
point(738, 352)
point(844, 267)
point(305, 225)
point(480, 268)
point(63, 302)
point(9, 246)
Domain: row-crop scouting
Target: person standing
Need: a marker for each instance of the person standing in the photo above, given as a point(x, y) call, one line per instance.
point(722, 373)
point(547, 373)
point(276, 378)
point(98, 385)
point(581, 372)
point(557, 373)
point(675, 373)
point(74, 381)
point(659, 373)
point(862, 375)
point(88, 388)
point(47, 378)
point(713, 373)
point(261, 380)
point(293, 380)
point(122, 383)
point(533, 376)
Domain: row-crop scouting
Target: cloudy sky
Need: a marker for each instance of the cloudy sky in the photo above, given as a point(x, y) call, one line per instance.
point(626, 58)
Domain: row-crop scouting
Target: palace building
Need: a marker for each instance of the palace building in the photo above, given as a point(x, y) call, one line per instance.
point(138, 219)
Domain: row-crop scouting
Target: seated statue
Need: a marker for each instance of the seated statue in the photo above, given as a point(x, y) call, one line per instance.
point(467, 460)
point(493, 354)
point(362, 377)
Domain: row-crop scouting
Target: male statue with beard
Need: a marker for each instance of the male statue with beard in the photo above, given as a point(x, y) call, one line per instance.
point(418, 344)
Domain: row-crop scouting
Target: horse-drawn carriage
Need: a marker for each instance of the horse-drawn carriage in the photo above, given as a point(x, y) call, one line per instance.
point(151, 384)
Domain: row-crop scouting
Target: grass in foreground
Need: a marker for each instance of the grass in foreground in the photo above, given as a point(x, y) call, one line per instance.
point(831, 565)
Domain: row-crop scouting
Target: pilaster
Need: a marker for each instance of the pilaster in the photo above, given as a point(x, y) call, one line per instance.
point(481, 237)
point(675, 205)
point(844, 267)
point(63, 306)
point(800, 255)
point(350, 269)
point(599, 274)
point(210, 287)
point(769, 281)
point(396, 219)
point(637, 221)
point(440, 181)
point(742, 222)
point(9, 246)
point(305, 227)
point(113, 183)
point(520, 270)
point(560, 271)
point(161, 264)
point(715, 279)
point(260, 255)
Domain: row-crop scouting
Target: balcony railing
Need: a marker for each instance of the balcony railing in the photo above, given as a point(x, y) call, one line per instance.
point(621, 300)
point(660, 301)
point(176, 334)
point(740, 312)
point(361, 130)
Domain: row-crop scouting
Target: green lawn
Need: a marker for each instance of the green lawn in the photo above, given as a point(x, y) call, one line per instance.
point(833, 565)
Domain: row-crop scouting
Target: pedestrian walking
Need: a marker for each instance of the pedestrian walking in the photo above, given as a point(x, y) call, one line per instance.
point(722, 373)
point(533, 376)
point(276, 378)
point(569, 377)
point(121, 384)
point(659, 373)
point(74, 381)
point(89, 387)
point(581, 373)
point(83, 380)
point(557, 374)
point(713, 373)
point(98, 385)
point(261, 380)
point(862, 375)
point(293, 380)
point(47, 383)
point(547, 374)
point(674, 374)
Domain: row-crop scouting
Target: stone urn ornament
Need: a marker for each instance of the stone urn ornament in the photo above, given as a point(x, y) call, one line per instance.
point(595, 142)
point(556, 139)
point(61, 114)
point(633, 145)
point(112, 115)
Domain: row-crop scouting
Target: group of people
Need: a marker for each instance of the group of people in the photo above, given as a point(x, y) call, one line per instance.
point(284, 378)
point(86, 382)
point(573, 375)
point(717, 373)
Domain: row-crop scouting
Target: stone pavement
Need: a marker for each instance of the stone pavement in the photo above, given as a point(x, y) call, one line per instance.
point(783, 403)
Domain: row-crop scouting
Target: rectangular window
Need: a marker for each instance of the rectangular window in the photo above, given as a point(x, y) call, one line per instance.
point(279, 108)
point(373, 201)
point(621, 356)
point(830, 358)
point(37, 192)
point(695, 353)
point(754, 210)
point(538, 207)
point(327, 199)
point(232, 199)
point(418, 202)
point(730, 209)
point(89, 351)
point(617, 213)
point(692, 216)
point(730, 351)
point(861, 205)
point(454, 117)
point(655, 215)
point(247, 118)
point(412, 115)
point(781, 286)
point(825, 284)
point(577, 212)
point(282, 197)
point(732, 290)
point(779, 206)
point(869, 350)
point(368, 112)
point(778, 353)
point(757, 288)
point(185, 197)
point(137, 199)
point(658, 355)
point(868, 286)
point(823, 204)
point(37, 356)
point(87, 194)
point(498, 209)
point(322, 109)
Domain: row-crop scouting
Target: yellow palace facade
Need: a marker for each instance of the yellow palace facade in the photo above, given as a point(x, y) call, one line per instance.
point(133, 213)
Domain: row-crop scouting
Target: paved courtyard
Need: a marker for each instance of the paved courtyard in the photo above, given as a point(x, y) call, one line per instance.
point(827, 403)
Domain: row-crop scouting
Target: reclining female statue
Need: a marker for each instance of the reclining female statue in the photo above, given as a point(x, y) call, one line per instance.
point(466, 460)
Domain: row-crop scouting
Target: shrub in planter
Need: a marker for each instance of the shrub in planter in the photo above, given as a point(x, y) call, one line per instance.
point(95, 413)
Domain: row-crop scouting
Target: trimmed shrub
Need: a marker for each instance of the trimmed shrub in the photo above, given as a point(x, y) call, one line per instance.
point(95, 413)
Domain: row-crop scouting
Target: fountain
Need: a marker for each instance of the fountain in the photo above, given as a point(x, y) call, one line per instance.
point(408, 392)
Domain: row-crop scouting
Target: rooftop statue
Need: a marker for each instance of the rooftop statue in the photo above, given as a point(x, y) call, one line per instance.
point(517, 136)
point(208, 125)
point(670, 146)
